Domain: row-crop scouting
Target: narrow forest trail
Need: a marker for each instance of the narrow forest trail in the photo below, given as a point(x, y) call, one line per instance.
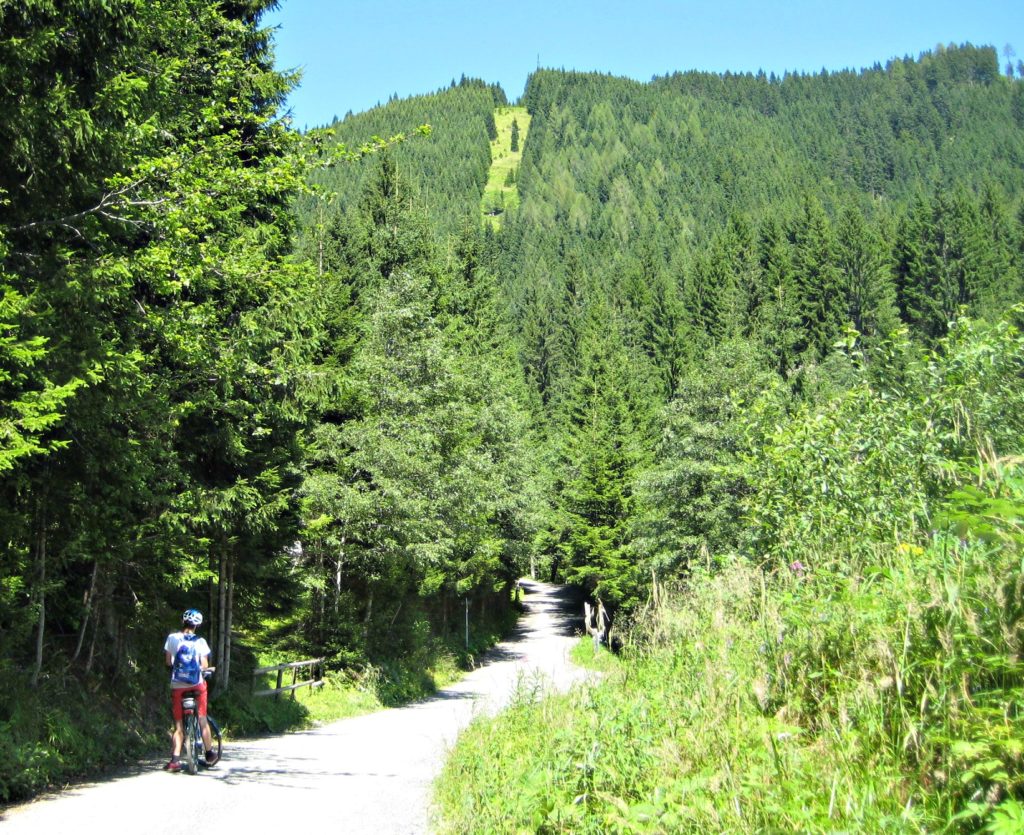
point(501, 194)
point(368, 774)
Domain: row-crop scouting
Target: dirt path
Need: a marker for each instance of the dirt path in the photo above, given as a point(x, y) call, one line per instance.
point(369, 774)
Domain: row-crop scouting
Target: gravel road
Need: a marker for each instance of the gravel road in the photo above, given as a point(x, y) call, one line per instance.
point(368, 774)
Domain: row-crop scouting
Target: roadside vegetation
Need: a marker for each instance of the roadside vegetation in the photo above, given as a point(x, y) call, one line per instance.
point(855, 666)
point(602, 661)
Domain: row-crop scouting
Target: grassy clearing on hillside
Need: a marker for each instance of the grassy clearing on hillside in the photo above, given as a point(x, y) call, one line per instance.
point(501, 193)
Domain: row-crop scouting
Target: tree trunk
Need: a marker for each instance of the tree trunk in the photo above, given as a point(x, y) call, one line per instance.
point(225, 677)
point(87, 606)
point(92, 649)
point(222, 604)
point(211, 605)
point(41, 592)
point(319, 593)
point(337, 573)
point(369, 614)
point(102, 613)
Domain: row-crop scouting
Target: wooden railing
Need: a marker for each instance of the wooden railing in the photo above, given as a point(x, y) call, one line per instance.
point(315, 666)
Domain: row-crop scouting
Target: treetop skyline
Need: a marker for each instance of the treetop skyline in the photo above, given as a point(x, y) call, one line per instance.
point(371, 53)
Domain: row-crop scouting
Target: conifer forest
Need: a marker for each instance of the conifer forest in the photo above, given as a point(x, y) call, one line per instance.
point(742, 360)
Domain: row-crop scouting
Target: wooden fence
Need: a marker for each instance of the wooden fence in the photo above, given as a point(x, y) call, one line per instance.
point(315, 666)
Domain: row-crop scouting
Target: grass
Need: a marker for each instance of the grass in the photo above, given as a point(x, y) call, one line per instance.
point(602, 661)
point(500, 195)
point(338, 698)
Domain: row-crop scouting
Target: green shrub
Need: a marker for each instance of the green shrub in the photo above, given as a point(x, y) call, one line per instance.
point(55, 733)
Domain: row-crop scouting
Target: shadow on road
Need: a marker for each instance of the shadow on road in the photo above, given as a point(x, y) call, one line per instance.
point(550, 610)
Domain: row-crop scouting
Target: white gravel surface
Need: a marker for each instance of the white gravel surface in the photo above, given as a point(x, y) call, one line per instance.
point(368, 774)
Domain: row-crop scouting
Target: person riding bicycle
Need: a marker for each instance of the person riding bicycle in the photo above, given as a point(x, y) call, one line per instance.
point(188, 655)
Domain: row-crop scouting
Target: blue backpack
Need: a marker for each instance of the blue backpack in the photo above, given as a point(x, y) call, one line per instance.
point(186, 668)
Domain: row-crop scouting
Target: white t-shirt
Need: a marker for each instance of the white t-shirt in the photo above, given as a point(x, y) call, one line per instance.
point(175, 640)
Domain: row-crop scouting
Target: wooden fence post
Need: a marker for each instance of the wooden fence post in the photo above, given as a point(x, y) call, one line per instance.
point(596, 621)
point(315, 665)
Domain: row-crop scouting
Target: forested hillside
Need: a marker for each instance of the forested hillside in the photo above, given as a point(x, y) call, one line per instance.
point(663, 221)
point(751, 340)
point(446, 176)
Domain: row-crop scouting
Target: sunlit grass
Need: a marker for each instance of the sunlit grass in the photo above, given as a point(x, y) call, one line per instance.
point(500, 195)
point(337, 700)
point(602, 661)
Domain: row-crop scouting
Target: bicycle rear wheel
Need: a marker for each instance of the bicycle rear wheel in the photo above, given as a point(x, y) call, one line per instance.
point(189, 746)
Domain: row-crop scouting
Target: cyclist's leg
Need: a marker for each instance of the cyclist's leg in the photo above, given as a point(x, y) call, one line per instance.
point(204, 726)
point(203, 723)
point(179, 729)
point(177, 738)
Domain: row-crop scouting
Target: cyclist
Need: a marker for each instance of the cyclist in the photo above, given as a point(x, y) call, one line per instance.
point(188, 655)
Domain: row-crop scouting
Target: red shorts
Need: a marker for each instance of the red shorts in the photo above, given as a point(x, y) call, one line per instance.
point(179, 692)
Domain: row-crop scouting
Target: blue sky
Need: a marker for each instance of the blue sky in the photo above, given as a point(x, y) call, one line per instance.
point(354, 55)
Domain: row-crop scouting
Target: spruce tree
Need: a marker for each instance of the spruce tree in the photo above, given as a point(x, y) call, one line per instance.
point(866, 276)
point(820, 302)
point(602, 442)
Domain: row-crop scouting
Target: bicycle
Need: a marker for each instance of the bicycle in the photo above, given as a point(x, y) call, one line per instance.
point(193, 750)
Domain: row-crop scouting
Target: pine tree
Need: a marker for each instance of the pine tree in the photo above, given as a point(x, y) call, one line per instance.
point(602, 443)
point(776, 321)
point(941, 262)
point(997, 288)
point(866, 276)
point(820, 301)
point(688, 503)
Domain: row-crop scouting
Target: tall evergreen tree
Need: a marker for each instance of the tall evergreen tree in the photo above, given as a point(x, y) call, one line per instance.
point(942, 254)
point(866, 276)
point(602, 443)
point(820, 301)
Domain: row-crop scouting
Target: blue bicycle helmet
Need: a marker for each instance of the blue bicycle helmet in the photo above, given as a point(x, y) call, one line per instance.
point(193, 617)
